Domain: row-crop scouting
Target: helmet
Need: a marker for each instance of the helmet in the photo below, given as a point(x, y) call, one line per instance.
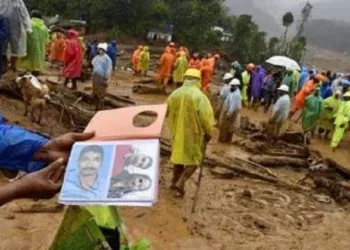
point(193, 73)
point(103, 46)
point(227, 76)
point(319, 77)
point(284, 88)
point(235, 82)
point(250, 66)
point(172, 44)
point(217, 56)
point(347, 94)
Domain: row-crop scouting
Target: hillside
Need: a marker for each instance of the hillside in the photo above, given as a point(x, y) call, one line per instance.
point(333, 35)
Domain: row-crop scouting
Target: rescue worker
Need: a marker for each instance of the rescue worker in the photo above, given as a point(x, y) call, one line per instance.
point(308, 88)
point(144, 60)
point(296, 79)
point(230, 112)
point(102, 70)
point(194, 62)
point(166, 63)
point(190, 119)
point(258, 77)
point(207, 74)
point(213, 61)
point(311, 112)
point(72, 63)
point(224, 92)
point(135, 59)
point(36, 46)
point(112, 52)
point(19, 25)
point(330, 108)
point(180, 68)
point(342, 120)
point(246, 83)
point(304, 77)
point(172, 47)
point(280, 110)
point(57, 49)
point(289, 81)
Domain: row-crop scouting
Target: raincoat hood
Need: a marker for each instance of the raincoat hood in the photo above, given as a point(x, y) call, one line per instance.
point(146, 48)
point(72, 34)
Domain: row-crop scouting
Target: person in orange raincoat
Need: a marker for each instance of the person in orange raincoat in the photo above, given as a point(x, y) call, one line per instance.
point(135, 59)
point(207, 74)
point(57, 49)
point(166, 66)
point(213, 60)
point(308, 88)
point(206, 57)
point(195, 62)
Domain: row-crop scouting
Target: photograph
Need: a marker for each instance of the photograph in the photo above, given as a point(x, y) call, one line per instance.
point(87, 172)
point(131, 172)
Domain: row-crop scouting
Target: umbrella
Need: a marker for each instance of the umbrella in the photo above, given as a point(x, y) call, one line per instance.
point(283, 62)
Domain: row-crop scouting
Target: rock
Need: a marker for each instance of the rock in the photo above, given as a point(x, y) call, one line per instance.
point(322, 198)
point(247, 194)
point(8, 215)
point(262, 225)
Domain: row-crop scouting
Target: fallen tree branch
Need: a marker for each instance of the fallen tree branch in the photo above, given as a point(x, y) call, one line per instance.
point(279, 161)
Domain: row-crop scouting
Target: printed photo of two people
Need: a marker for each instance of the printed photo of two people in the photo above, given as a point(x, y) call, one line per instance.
point(108, 172)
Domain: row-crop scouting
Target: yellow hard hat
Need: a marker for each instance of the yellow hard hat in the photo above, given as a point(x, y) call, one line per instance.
point(193, 73)
point(347, 94)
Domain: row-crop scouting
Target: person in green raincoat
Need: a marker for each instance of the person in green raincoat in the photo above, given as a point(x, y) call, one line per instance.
point(342, 120)
point(311, 112)
point(36, 46)
point(144, 60)
point(246, 75)
point(180, 67)
point(330, 108)
point(289, 80)
point(190, 118)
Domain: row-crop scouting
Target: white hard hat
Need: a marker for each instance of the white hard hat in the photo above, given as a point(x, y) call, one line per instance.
point(235, 82)
point(227, 76)
point(103, 46)
point(284, 88)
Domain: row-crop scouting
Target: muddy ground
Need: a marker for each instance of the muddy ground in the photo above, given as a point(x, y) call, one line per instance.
point(239, 213)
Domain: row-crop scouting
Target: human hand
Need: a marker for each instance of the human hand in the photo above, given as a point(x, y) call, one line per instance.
point(43, 184)
point(60, 147)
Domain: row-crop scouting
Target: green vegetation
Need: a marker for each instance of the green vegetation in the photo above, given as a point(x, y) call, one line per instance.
point(192, 20)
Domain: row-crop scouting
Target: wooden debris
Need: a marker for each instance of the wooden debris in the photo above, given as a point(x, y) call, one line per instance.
point(142, 89)
point(279, 161)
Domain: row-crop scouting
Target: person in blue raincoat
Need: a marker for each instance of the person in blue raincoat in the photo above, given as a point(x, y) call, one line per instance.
point(112, 51)
point(304, 77)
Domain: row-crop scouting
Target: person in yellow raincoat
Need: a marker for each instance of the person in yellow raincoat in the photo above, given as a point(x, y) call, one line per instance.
point(341, 121)
point(246, 82)
point(190, 118)
point(144, 60)
point(36, 46)
point(330, 108)
point(180, 67)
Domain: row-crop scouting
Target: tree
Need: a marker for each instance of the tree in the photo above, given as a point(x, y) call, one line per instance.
point(287, 21)
point(273, 46)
